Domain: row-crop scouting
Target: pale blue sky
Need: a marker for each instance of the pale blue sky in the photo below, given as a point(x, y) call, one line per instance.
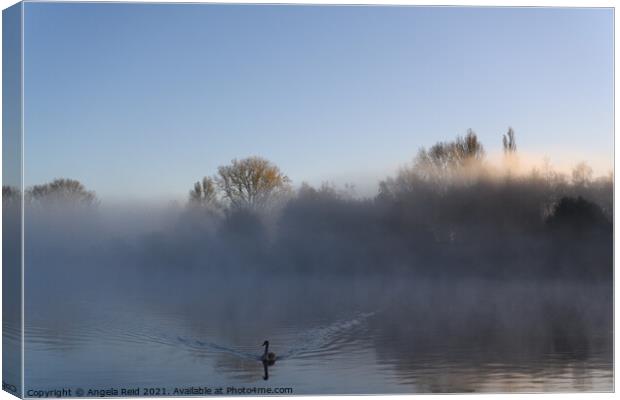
point(141, 100)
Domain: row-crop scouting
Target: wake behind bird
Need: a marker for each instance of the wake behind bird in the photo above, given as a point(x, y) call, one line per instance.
point(309, 343)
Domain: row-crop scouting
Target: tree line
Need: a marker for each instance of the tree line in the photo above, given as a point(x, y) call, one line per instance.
point(255, 183)
point(448, 212)
point(59, 191)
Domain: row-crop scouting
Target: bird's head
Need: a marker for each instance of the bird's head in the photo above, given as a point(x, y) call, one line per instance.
point(266, 343)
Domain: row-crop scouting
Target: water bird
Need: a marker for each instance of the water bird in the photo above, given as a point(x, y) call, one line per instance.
point(268, 356)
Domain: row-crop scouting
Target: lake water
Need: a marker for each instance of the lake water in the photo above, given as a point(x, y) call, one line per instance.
point(332, 336)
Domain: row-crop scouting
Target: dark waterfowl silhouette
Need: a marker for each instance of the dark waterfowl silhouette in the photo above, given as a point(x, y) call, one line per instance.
point(268, 356)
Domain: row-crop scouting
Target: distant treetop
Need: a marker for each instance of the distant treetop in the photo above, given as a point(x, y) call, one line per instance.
point(62, 191)
point(251, 183)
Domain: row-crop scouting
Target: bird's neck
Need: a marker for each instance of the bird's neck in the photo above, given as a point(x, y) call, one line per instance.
point(266, 348)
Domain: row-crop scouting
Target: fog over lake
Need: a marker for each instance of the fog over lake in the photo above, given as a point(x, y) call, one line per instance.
point(484, 284)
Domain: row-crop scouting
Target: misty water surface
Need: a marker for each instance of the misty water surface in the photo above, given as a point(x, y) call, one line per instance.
point(368, 335)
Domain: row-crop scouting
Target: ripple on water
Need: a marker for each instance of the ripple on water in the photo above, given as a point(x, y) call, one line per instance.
point(133, 346)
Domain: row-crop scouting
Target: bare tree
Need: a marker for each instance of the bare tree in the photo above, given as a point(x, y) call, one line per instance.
point(204, 193)
point(509, 142)
point(251, 183)
point(511, 161)
point(62, 191)
point(469, 148)
point(445, 158)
